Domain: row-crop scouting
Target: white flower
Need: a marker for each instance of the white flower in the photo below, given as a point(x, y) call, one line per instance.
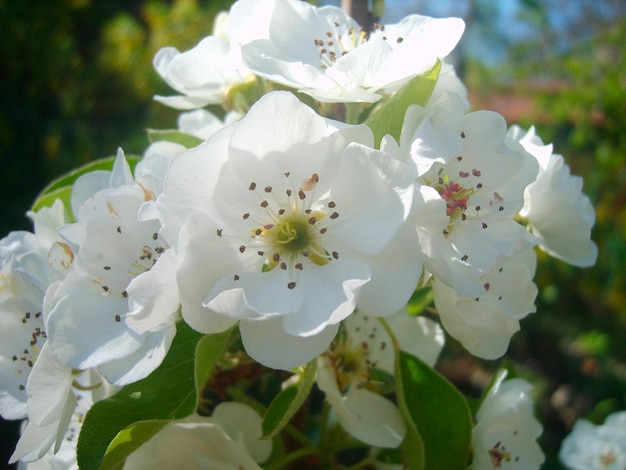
point(324, 53)
point(480, 176)
point(35, 449)
point(505, 431)
point(229, 440)
point(29, 264)
point(485, 323)
point(87, 325)
point(203, 124)
point(347, 373)
point(289, 219)
point(559, 214)
point(204, 73)
point(591, 447)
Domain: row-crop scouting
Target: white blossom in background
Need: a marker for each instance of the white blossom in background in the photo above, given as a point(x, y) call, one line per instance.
point(203, 74)
point(87, 324)
point(480, 175)
point(287, 221)
point(346, 373)
point(484, 324)
point(324, 53)
point(558, 212)
point(228, 440)
point(203, 124)
point(506, 431)
point(592, 447)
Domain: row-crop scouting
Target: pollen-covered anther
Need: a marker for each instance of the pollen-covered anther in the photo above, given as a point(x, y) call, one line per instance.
point(264, 203)
point(308, 184)
point(291, 285)
point(334, 215)
point(252, 186)
point(299, 266)
point(335, 255)
point(301, 194)
point(267, 189)
point(312, 220)
point(245, 216)
point(242, 248)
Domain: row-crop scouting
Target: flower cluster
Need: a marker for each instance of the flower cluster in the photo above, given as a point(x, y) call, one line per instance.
point(289, 240)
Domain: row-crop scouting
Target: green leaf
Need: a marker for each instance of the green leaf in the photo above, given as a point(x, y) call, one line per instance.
point(420, 299)
point(388, 118)
point(208, 351)
point(440, 410)
point(61, 188)
point(130, 439)
point(412, 445)
point(287, 402)
point(168, 393)
point(173, 135)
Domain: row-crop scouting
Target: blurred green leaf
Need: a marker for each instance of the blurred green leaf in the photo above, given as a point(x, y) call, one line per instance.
point(288, 402)
point(61, 188)
point(208, 351)
point(420, 299)
point(130, 439)
point(168, 393)
point(173, 135)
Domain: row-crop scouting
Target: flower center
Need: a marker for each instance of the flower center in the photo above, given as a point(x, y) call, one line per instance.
point(294, 235)
point(286, 232)
point(608, 458)
point(337, 43)
point(350, 363)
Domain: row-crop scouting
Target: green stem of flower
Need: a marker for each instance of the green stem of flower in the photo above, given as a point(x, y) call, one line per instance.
point(353, 111)
point(295, 455)
point(394, 340)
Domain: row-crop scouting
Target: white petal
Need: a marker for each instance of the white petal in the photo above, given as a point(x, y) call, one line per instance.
point(395, 273)
point(242, 422)
point(372, 418)
point(153, 296)
point(267, 343)
point(48, 388)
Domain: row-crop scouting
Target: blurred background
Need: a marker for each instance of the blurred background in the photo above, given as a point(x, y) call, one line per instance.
point(77, 83)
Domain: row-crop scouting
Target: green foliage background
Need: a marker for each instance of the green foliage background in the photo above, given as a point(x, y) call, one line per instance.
point(77, 82)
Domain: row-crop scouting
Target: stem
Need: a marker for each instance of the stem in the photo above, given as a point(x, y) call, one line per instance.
point(295, 455)
point(353, 111)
